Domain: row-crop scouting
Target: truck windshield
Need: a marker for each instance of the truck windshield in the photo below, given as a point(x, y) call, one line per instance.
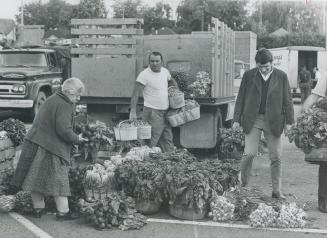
point(28, 59)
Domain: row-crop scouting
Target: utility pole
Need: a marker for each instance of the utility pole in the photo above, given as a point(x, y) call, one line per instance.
point(22, 14)
point(324, 22)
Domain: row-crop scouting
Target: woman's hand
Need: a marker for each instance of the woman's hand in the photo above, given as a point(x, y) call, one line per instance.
point(81, 138)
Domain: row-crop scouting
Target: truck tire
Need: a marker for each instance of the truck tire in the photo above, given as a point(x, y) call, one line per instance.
point(40, 99)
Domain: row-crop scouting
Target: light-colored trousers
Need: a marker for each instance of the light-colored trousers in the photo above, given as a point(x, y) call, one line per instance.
point(61, 202)
point(161, 133)
point(252, 140)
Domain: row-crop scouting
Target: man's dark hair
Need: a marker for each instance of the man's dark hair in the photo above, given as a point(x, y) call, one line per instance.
point(263, 56)
point(156, 53)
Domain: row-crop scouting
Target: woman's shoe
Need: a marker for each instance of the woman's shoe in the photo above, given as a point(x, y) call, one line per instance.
point(61, 216)
point(322, 204)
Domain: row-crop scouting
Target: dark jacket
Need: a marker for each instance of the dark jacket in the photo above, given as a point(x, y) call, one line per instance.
point(279, 105)
point(52, 127)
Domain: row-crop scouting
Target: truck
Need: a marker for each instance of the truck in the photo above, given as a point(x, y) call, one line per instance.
point(290, 59)
point(28, 75)
point(112, 52)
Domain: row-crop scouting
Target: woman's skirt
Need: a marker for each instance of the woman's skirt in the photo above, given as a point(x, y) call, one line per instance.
point(48, 174)
point(26, 158)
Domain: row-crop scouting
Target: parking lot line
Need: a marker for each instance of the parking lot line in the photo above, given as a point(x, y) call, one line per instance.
point(237, 226)
point(29, 225)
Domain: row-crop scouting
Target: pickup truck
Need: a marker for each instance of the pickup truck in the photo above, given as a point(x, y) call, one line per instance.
point(28, 76)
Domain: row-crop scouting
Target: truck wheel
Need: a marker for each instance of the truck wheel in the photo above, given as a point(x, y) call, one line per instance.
point(40, 99)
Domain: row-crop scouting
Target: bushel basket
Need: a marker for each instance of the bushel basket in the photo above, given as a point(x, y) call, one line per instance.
point(125, 133)
point(143, 132)
point(147, 207)
point(186, 213)
point(176, 101)
point(316, 155)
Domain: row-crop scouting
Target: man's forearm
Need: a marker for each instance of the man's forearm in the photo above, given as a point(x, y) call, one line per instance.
point(134, 101)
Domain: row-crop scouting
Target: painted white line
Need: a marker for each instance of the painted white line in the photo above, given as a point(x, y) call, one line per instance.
point(29, 225)
point(237, 226)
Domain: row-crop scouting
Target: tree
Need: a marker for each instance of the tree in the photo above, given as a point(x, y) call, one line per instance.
point(52, 15)
point(196, 14)
point(127, 9)
point(293, 16)
point(90, 9)
point(157, 17)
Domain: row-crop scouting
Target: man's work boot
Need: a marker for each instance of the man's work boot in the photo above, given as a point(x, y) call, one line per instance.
point(278, 195)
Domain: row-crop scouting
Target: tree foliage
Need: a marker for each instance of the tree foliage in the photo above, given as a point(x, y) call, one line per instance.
point(90, 9)
point(53, 14)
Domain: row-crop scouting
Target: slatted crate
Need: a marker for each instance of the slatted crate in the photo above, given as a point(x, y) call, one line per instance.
point(107, 56)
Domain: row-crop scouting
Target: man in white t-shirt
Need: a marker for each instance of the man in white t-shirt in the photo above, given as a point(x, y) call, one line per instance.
point(153, 82)
point(318, 93)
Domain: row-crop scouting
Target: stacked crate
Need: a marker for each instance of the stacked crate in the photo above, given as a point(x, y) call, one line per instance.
point(7, 155)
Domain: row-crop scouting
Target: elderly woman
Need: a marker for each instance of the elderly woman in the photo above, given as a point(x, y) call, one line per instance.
point(43, 165)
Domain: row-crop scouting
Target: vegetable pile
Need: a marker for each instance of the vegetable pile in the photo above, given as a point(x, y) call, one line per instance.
point(285, 216)
point(310, 130)
point(15, 129)
point(177, 177)
point(183, 80)
point(201, 87)
point(231, 143)
point(116, 210)
point(221, 209)
point(98, 136)
point(173, 92)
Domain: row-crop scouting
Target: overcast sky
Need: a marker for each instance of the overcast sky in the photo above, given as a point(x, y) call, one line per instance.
point(9, 8)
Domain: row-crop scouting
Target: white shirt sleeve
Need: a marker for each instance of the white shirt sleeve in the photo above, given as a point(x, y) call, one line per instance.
point(320, 88)
point(141, 78)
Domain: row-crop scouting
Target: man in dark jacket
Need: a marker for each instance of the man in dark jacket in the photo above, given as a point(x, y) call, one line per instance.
point(305, 83)
point(264, 103)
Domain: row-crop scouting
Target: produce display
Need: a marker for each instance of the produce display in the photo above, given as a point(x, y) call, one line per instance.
point(98, 179)
point(98, 136)
point(231, 143)
point(7, 176)
point(177, 177)
point(310, 130)
point(221, 209)
point(183, 80)
point(116, 210)
point(23, 202)
point(285, 216)
point(173, 92)
point(15, 129)
point(187, 113)
point(7, 203)
point(201, 87)
point(140, 123)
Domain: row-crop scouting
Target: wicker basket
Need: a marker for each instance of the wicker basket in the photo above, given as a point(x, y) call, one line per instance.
point(177, 119)
point(192, 114)
point(177, 101)
point(125, 134)
point(316, 155)
point(143, 132)
point(147, 207)
point(185, 213)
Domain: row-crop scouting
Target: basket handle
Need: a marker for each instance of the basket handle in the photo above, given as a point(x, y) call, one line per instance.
point(122, 122)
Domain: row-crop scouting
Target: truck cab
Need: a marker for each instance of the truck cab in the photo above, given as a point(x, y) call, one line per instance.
point(27, 77)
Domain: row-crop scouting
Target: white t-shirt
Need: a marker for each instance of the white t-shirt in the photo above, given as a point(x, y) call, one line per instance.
point(155, 92)
point(321, 86)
